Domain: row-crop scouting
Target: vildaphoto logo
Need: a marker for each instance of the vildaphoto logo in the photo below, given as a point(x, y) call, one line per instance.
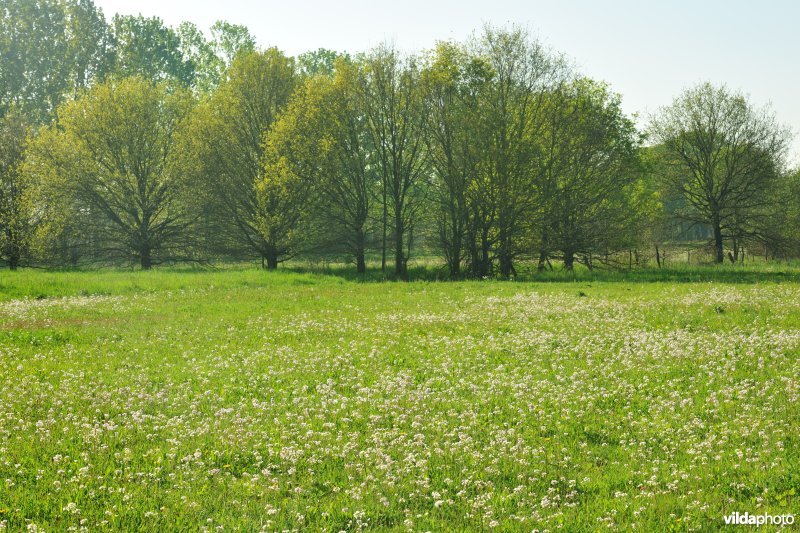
point(747, 519)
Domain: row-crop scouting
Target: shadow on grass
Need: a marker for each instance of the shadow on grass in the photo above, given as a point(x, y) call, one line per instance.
point(749, 274)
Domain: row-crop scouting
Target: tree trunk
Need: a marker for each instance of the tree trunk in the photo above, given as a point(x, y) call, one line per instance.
point(542, 261)
point(455, 267)
point(569, 260)
point(272, 259)
point(361, 265)
point(14, 250)
point(455, 256)
point(504, 256)
point(719, 255)
point(145, 259)
point(474, 256)
point(483, 264)
point(399, 255)
point(506, 264)
point(385, 224)
point(658, 257)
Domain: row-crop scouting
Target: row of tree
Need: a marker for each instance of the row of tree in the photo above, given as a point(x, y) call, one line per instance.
point(157, 145)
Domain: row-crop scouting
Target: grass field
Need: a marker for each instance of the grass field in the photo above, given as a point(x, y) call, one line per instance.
point(245, 400)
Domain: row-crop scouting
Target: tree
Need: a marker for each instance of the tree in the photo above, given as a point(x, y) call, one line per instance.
point(89, 47)
point(33, 68)
point(223, 150)
point(788, 231)
point(296, 159)
point(452, 81)
point(229, 40)
point(320, 61)
point(111, 158)
point(322, 141)
point(393, 104)
point(15, 225)
point(511, 121)
point(209, 59)
point(199, 53)
point(147, 48)
point(587, 191)
point(723, 157)
point(51, 50)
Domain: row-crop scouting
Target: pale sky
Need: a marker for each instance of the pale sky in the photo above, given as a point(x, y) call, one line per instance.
point(646, 50)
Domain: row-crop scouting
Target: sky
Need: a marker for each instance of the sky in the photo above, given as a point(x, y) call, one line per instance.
point(648, 51)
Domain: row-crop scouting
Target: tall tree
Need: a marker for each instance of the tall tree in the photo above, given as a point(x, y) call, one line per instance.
point(322, 140)
point(348, 188)
point(723, 157)
point(51, 49)
point(15, 228)
point(223, 148)
point(452, 81)
point(296, 159)
point(394, 107)
point(511, 122)
point(587, 189)
point(111, 159)
point(199, 53)
point(320, 61)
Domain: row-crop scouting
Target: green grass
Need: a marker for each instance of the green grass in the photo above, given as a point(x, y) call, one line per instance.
point(186, 399)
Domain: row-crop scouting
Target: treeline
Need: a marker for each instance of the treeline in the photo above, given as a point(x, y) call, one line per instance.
point(130, 141)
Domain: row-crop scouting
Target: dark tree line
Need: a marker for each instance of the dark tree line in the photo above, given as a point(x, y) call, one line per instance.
point(130, 141)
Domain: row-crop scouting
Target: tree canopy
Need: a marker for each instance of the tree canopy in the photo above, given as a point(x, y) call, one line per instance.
point(723, 156)
point(127, 140)
point(111, 159)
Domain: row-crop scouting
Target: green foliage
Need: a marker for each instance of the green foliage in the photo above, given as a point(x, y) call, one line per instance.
point(199, 53)
point(589, 186)
point(54, 49)
point(293, 164)
point(320, 62)
point(15, 207)
point(209, 59)
point(110, 161)
point(452, 80)
point(393, 104)
point(90, 45)
point(229, 40)
point(722, 157)
point(146, 48)
point(50, 50)
point(491, 153)
point(322, 143)
point(510, 122)
point(222, 149)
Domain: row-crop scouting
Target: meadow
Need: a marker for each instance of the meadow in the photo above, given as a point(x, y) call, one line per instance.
point(241, 400)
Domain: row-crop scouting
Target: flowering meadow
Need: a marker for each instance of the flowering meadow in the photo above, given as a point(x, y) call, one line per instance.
point(246, 401)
